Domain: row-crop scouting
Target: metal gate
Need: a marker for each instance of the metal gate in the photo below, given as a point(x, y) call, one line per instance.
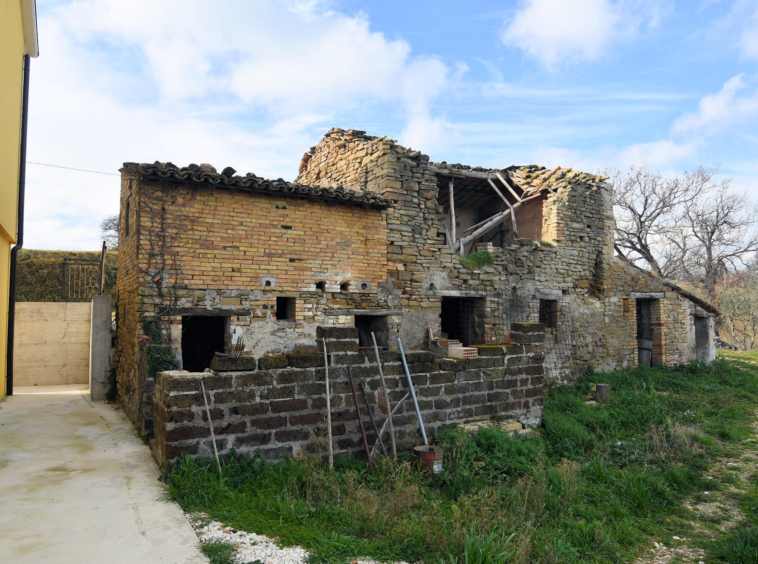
point(83, 278)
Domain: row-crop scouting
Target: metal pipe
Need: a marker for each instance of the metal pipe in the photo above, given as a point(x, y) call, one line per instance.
point(360, 420)
point(386, 397)
point(371, 418)
point(413, 392)
point(19, 229)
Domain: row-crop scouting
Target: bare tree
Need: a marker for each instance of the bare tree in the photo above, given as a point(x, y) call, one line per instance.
point(109, 231)
point(647, 206)
point(722, 225)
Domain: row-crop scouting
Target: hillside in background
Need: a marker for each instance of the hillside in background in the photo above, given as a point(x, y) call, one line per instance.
point(40, 273)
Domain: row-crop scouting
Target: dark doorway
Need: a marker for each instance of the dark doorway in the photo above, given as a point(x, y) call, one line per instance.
point(644, 332)
point(202, 336)
point(463, 319)
point(702, 334)
point(548, 315)
point(366, 324)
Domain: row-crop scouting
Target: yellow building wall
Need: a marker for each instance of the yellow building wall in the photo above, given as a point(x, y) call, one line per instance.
point(11, 83)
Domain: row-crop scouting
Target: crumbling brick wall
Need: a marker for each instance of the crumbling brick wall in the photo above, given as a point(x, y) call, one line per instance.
point(278, 403)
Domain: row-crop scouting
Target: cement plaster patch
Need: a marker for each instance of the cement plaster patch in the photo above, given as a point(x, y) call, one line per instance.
point(79, 486)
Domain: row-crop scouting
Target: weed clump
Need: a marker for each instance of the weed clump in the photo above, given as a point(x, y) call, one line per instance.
point(475, 260)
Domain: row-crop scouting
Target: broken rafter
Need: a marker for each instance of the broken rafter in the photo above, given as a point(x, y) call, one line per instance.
point(507, 203)
point(493, 221)
point(518, 198)
point(452, 210)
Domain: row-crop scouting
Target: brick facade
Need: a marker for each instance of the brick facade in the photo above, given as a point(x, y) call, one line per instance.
point(365, 234)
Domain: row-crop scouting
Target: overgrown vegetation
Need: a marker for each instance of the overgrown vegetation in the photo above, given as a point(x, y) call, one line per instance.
point(475, 260)
point(39, 276)
point(160, 357)
point(598, 484)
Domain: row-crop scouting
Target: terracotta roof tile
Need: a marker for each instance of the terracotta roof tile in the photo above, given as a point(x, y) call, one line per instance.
point(206, 174)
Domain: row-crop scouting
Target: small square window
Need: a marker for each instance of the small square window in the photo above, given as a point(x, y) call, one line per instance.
point(285, 309)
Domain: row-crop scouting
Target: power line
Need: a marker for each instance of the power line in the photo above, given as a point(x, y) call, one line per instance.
point(70, 168)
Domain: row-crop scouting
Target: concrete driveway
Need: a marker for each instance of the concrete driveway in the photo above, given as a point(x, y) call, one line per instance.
point(77, 485)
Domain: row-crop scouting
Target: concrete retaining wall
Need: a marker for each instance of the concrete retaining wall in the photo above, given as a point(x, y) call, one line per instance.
point(52, 343)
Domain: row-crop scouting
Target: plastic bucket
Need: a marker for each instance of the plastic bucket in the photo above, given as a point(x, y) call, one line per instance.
point(429, 459)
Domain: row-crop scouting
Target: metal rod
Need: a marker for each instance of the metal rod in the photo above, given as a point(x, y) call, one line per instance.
point(394, 410)
point(371, 418)
point(360, 420)
point(386, 397)
point(328, 409)
point(413, 392)
point(210, 424)
point(19, 229)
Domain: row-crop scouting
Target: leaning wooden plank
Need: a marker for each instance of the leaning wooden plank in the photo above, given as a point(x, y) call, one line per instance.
point(507, 203)
point(452, 209)
point(518, 198)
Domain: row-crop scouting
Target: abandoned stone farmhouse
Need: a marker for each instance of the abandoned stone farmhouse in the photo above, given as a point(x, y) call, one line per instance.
point(369, 239)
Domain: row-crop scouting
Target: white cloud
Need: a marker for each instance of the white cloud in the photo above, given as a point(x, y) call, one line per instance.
point(245, 84)
point(716, 112)
point(657, 154)
point(557, 31)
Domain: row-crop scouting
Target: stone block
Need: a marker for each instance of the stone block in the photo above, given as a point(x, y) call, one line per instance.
point(336, 333)
point(229, 364)
point(305, 360)
point(255, 379)
point(527, 327)
point(273, 362)
point(283, 406)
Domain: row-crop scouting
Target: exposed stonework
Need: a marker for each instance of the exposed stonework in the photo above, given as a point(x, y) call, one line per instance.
point(365, 238)
point(279, 405)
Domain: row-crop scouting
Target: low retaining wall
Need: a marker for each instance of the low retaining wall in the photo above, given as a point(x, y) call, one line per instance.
point(278, 403)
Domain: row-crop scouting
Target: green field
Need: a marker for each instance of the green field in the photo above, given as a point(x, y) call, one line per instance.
point(673, 452)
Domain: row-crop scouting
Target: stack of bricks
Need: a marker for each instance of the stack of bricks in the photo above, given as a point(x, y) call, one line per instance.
point(278, 403)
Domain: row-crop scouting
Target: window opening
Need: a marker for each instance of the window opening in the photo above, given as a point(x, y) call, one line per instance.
point(378, 324)
point(202, 337)
point(127, 213)
point(345, 287)
point(321, 286)
point(462, 319)
point(285, 309)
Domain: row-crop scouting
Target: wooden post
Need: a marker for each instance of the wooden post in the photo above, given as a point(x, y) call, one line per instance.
point(360, 419)
point(328, 408)
point(386, 397)
point(452, 209)
point(210, 423)
point(603, 392)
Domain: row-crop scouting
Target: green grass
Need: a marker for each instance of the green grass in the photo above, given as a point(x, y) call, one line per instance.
point(475, 260)
point(597, 484)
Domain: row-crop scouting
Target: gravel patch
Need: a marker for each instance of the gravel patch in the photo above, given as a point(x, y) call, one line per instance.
point(249, 547)
point(662, 554)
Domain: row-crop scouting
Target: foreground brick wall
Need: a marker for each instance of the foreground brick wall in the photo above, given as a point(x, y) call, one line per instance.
point(278, 403)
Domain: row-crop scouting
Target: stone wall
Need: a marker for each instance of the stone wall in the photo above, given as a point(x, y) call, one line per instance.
point(278, 403)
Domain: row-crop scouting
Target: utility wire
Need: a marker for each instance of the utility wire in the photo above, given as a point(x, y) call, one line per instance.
point(70, 168)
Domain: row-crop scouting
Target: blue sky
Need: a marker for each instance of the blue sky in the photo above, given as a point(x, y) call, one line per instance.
point(589, 84)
